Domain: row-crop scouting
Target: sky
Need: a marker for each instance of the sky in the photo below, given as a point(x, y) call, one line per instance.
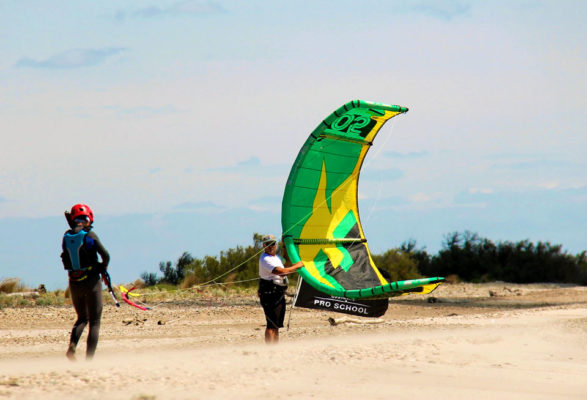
point(178, 121)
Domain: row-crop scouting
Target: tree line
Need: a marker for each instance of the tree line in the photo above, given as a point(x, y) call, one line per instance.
point(464, 256)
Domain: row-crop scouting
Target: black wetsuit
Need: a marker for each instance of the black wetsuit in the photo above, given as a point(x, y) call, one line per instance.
point(85, 287)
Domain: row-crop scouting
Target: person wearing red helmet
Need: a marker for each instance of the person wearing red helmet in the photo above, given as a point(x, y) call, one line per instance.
point(81, 210)
point(80, 249)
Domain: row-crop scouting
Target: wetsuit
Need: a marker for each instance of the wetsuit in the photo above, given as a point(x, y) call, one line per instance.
point(80, 257)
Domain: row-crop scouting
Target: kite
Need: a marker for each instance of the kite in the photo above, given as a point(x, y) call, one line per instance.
point(320, 216)
point(124, 292)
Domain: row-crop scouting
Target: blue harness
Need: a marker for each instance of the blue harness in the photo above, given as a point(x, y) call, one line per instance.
point(73, 242)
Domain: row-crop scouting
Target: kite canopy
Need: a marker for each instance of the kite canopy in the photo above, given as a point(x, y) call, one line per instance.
point(320, 215)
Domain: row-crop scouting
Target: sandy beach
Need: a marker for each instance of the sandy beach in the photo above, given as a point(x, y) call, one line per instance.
point(489, 341)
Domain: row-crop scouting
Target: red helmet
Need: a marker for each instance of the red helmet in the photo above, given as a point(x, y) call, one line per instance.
point(82, 210)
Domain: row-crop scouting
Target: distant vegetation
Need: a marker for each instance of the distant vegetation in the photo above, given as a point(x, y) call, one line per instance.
point(13, 293)
point(476, 259)
point(189, 271)
point(463, 256)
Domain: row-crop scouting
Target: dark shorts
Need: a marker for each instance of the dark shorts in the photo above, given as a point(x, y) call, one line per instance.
point(272, 298)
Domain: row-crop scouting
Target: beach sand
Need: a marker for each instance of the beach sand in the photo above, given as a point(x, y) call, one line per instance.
point(486, 341)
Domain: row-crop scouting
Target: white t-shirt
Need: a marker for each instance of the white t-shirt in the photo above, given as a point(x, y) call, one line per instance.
point(266, 264)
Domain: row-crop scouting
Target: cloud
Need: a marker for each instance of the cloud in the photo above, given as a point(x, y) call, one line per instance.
point(251, 166)
point(198, 206)
point(406, 156)
point(377, 175)
point(541, 163)
point(546, 194)
point(75, 58)
point(421, 198)
point(141, 111)
point(3, 199)
point(481, 190)
point(392, 201)
point(189, 7)
point(266, 204)
point(445, 10)
point(251, 162)
point(550, 185)
point(525, 161)
point(266, 200)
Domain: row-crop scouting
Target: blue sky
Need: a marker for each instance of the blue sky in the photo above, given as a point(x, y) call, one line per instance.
point(160, 113)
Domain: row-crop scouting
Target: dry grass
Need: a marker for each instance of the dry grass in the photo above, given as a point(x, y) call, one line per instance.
point(14, 301)
point(189, 281)
point(214, 294)
point(55, 298)
point(145, 397)
point(11, 285)
point(149, 296)
point(452, 279)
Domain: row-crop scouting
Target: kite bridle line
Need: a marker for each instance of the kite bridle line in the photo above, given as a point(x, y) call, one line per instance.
point(373, 158)
point(203, 285)
point(212, 282)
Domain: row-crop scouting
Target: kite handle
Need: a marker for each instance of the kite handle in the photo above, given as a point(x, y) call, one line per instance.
point(108, 282)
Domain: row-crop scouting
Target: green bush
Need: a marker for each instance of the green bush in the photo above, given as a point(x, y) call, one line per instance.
point(476, 259)
point(398, 266)
point(51, 299)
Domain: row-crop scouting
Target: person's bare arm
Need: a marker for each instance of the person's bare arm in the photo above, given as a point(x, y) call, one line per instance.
point(287, 270)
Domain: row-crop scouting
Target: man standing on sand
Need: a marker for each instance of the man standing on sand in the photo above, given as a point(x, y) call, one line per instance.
point(272, 286)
